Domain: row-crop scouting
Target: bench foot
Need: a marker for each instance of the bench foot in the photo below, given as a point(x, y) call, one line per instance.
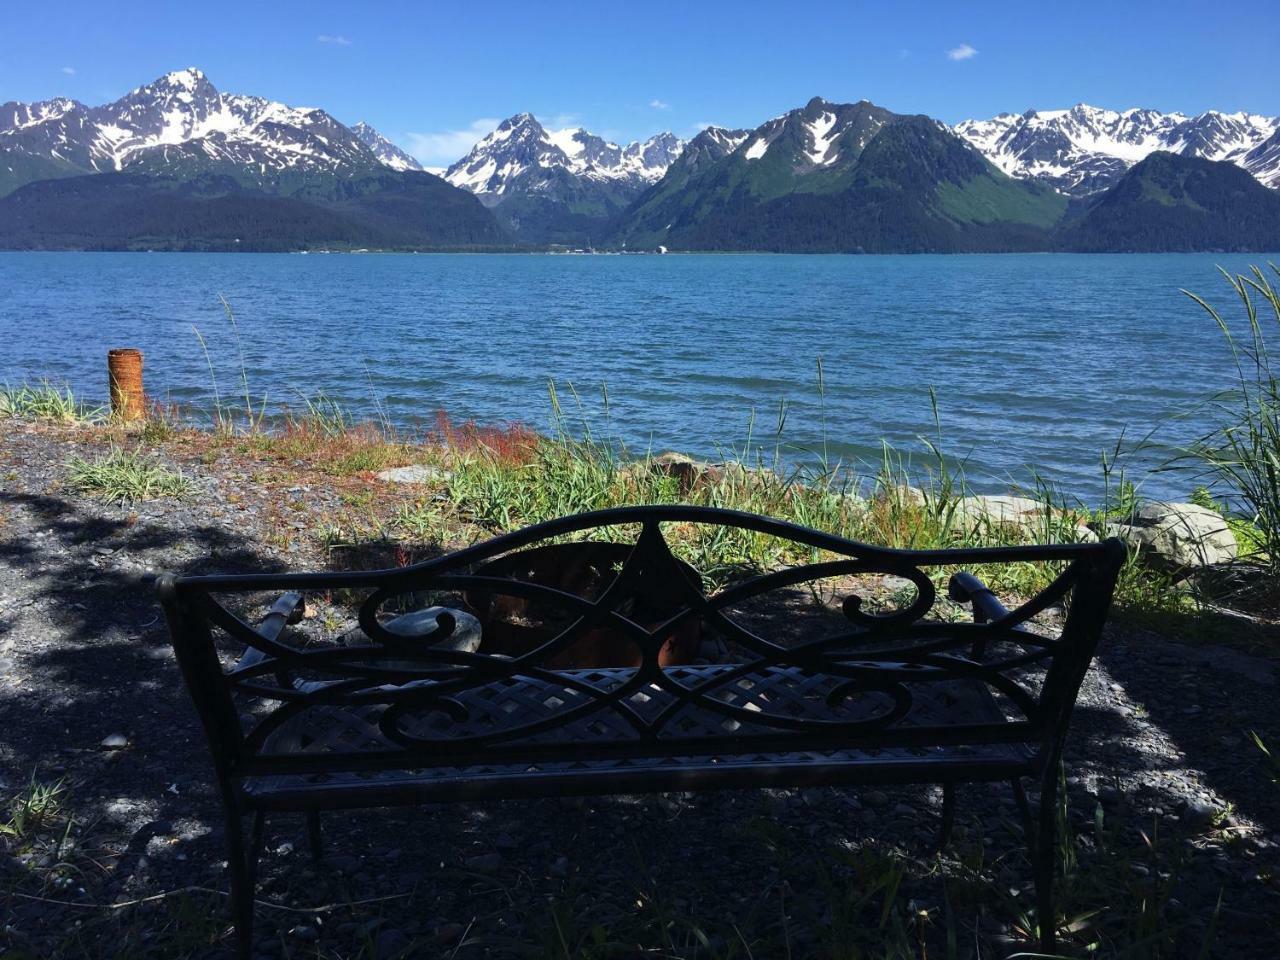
point(948, 816)
point(1024, 808)
point(242, 862)
point(313, 835)
point(1044, 853)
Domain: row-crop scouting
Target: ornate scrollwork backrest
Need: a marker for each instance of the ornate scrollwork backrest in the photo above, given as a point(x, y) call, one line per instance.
point(424, 700)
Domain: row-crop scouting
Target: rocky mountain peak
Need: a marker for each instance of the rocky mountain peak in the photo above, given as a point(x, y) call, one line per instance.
point(387, 152)
point(521, 149)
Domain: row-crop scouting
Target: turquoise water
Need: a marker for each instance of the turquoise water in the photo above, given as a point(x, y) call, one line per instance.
point(1040, 360)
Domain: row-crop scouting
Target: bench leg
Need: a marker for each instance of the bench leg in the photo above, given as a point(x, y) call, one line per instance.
point(948, 815)
point(1044, 853)
point(1024, 808)
point(242, 863)
point(313, 835)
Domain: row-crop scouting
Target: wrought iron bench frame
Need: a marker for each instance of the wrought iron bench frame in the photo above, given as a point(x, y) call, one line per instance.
point(417, 693)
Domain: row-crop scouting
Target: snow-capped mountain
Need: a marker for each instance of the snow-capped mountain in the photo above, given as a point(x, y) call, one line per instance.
point(1086, 149)
point(178, 124)
point(503, 161)
point(559, 186)
point(386, 151)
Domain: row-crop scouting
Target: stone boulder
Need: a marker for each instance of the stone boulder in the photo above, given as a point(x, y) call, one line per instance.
point(1178, 535)
point(1022, 512)
point(688, 472)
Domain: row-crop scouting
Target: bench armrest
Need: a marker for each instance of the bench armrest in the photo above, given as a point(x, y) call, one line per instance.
point(966, 588)
point(286, 610)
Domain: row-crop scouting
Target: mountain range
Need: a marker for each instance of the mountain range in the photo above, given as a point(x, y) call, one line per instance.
point(1085, 150)
point(177, 164)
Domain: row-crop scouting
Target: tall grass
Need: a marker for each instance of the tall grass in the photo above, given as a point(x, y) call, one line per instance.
point(45, 401)
point(1242, 457)
point(122, 476)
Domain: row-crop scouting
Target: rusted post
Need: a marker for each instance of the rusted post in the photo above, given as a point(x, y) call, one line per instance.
point(124, 372)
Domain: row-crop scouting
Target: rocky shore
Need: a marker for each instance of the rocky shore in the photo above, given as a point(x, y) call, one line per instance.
point(1173, 815)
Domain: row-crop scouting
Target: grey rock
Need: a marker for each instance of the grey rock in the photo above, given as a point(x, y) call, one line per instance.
point(1199, 814)
point(117, 741)
point(305, 932)
point(876, 798)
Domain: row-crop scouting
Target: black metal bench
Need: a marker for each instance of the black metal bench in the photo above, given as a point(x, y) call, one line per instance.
point(388, 717)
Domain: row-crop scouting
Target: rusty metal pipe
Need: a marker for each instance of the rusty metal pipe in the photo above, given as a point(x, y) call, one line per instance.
point(124, 373)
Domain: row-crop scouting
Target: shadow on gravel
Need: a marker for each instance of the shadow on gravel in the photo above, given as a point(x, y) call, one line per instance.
point(1208, 714)
point(91, 658)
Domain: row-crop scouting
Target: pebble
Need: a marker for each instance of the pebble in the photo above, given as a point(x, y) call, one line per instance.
point(305, 932)
point(117, 741)
point(448, 932)
point(391, 943)
point(484, 863)
point(876, 798)
point(343, 862)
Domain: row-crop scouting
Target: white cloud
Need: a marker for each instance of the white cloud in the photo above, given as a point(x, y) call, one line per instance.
point(444, 147)
point(659, 105)
point(69, 71)
point(962, 52)
point(562, 121)
point(334, 39)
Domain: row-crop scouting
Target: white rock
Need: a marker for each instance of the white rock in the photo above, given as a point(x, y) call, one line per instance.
point(414, 473)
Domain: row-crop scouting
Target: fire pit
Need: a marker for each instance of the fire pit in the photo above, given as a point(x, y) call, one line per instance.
point(513, 626)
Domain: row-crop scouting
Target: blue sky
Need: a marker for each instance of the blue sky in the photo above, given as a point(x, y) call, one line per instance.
point(435, 76)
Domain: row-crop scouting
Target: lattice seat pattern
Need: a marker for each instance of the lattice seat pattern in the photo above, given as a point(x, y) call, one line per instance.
point(702, 718)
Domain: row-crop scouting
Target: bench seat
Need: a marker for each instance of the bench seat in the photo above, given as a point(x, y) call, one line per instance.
point(701, 747)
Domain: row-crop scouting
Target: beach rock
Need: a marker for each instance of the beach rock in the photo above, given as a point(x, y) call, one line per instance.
point(998, 509)
point(1178, 535)
point(1033, 518)
point(414, 473)
point(687, 471)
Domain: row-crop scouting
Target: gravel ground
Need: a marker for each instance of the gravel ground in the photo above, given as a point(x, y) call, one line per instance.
point(1159, 751)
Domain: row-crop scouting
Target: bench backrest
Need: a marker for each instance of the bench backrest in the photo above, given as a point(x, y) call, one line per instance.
point(820, 675)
